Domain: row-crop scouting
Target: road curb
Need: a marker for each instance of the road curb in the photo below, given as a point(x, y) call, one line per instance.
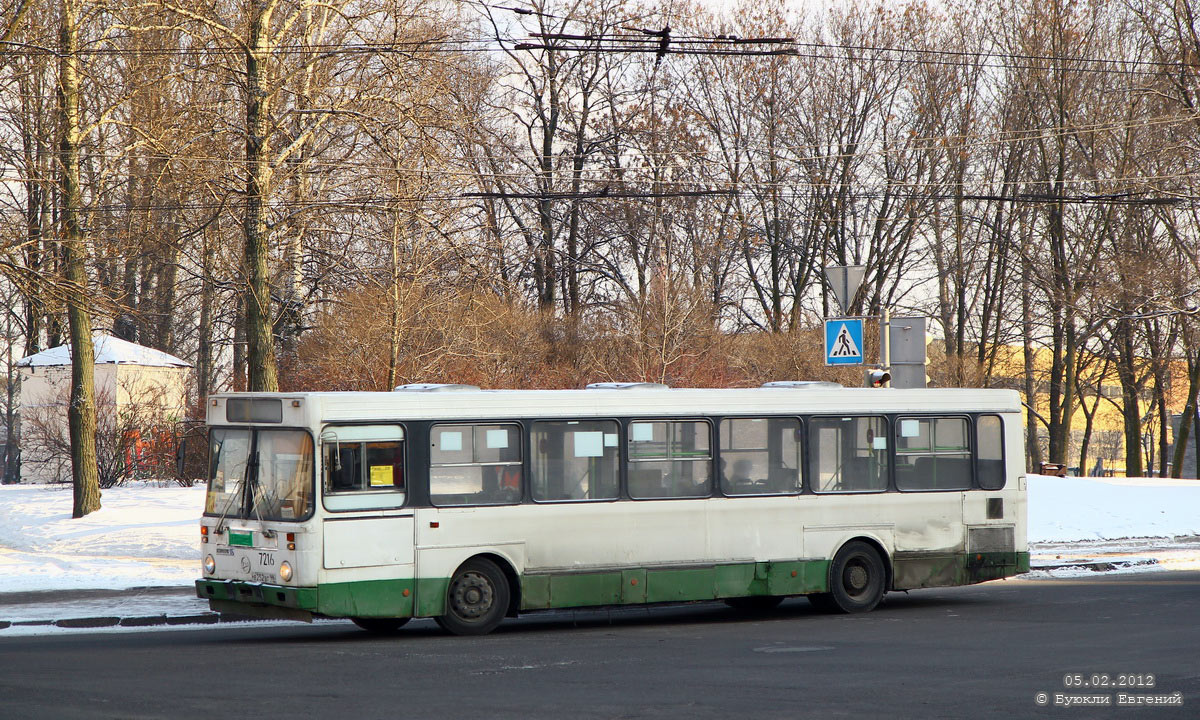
point(1096, 565)
point(83, 623)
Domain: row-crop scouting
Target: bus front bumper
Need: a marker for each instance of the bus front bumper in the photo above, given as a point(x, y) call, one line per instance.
point(276, 602)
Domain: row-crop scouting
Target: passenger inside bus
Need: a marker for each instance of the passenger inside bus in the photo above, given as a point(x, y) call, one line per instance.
point(502, 484)
point(739, 477)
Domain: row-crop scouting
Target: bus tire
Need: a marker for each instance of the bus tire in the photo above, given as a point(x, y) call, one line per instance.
point(476, 600)
point(752, 604)
point(380, 626)
point(857, 578)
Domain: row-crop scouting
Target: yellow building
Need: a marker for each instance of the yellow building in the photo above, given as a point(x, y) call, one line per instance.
point(1099, 401)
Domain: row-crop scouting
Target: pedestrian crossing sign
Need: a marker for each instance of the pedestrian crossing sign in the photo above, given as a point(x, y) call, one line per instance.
point(844, 341)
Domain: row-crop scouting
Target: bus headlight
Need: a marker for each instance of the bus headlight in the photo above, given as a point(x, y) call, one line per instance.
point(285, 571)
point(210, 565)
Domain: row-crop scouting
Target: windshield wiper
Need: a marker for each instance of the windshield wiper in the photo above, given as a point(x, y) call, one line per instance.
point(221, 518)
point(252, 467)
point(232, 496)
point(247, 475)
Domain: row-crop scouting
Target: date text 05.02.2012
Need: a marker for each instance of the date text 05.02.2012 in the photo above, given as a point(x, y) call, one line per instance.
point(1108, 680)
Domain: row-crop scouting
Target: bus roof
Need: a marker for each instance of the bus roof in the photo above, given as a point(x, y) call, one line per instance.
point(466, 403)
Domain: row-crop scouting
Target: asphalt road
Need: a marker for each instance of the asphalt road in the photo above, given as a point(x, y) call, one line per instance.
point(974, 652)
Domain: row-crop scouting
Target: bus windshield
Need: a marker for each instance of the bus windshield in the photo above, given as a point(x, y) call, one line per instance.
point(259, 474)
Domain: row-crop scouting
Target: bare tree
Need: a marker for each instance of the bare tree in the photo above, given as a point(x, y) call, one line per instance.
point(81, 412)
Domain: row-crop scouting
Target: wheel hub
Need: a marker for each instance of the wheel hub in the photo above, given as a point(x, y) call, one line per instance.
point(856, 579)
point(471, 596)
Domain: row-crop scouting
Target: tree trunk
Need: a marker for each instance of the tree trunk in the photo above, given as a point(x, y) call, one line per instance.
point(1131, 411)
point(394, 315)
point(204, 353)
point(10, 407)
point(81, 415)
point(1185, 420)
point(238, 381)
point(260, 344)
point(1033, 450)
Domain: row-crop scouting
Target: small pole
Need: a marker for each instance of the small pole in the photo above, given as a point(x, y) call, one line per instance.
point(885, 343)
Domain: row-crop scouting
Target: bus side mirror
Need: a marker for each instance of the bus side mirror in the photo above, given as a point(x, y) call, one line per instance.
point(180, 455)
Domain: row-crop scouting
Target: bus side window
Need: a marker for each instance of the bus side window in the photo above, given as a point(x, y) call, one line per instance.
point(669, 459)
point(932, 453)
point(343, 467)
point(385, 465)
point(760, 456)
point(989, 447)
point(475, 464)
point(574, 460)
point(848, 454)
point(362, 467)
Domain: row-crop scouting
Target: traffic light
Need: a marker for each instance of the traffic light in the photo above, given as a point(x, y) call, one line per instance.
point(877, 378)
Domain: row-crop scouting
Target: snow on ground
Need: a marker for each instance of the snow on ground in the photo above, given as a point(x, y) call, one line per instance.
point(145, 535)
point(1091, 509)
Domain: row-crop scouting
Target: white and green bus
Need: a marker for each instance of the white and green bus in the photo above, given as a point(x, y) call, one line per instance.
point(469, 506)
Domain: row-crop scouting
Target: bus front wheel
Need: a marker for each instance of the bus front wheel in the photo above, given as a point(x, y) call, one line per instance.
point(477, 599)
point(857, 580)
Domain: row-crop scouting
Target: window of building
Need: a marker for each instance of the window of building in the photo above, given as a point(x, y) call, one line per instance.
point(932, 454)
point(574, 460)
point(760, 456)
point(989, 450)
point(848, 454)
point(669, 459)
point(475, 464)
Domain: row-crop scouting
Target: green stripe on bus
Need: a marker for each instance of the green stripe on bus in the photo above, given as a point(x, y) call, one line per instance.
point(431, 596)
point(631, 586)
point(651, 585)
point(366, 598)
point(302, 598)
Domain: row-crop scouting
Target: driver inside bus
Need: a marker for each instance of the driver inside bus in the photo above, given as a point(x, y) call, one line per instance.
point(739, 477)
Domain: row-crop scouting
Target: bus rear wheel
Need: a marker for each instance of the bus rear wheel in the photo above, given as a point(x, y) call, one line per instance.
point(857, 580)
point(380, 626)
point(477, 599)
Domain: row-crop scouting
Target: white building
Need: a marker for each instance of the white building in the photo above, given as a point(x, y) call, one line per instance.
point(132, 382)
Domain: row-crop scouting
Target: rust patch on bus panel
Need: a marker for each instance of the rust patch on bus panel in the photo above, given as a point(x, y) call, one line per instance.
point(945, 569)
point(939, 568)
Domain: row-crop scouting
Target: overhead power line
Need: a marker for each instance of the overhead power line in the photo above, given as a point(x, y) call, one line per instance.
point(599, 194)
point(660, 43)
point(712, 45)
point(381, 202)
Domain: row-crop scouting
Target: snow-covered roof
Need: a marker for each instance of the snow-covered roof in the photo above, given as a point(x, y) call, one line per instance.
point(108, 349)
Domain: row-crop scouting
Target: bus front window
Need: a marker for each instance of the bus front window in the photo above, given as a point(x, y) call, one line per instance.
point(228, 460)
point(284, 478)
point(260, 474)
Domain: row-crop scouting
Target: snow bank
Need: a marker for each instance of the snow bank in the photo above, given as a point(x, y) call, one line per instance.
point(142, 535)
point(1072, 509)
